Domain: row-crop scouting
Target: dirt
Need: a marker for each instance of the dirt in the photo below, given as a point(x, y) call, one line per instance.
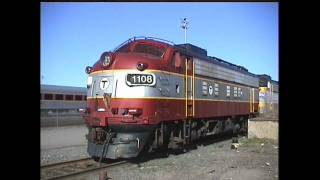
point(254, 159)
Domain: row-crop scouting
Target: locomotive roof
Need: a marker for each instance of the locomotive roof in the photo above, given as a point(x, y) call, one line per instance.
point(191, 50)
point(200, 53)
point(63, 89)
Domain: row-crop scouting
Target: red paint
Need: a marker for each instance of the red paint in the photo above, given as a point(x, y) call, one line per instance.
point(122, 60)
point(155, 110)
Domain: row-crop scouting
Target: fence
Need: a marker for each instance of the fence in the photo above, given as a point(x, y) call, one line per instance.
point(60, 117)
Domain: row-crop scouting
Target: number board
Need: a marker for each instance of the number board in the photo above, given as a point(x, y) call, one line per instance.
point(141, 79)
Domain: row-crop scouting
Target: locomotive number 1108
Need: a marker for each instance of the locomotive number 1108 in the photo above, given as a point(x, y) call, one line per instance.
point(140, 79)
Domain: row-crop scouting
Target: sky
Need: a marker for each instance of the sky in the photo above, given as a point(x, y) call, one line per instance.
point(74, 35)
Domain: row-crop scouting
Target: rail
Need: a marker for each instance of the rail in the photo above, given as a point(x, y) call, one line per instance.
point(140, 38)
point(74, 168)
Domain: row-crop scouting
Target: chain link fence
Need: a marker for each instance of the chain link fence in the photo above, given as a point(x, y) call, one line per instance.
point(60, 117)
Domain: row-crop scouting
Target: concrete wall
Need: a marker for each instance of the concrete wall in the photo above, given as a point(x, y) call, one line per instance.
point(263, 129)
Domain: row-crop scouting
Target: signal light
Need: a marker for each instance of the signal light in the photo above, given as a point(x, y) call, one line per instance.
point(135, 111)
point(88, 69)
point(145, 121)
point(81, 110)
point(124, 111)
point(101, 110)
point(142, 66)
point(106, 61)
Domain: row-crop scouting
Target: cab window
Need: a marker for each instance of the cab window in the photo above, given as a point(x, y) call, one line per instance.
point(182, 57)
point(124, 48)
point(149, 49)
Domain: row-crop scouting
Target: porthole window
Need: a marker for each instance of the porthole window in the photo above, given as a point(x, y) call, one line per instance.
point(210, 89)
point(177, 89)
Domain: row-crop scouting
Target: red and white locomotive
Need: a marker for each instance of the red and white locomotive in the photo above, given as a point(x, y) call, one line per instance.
point(150, 93)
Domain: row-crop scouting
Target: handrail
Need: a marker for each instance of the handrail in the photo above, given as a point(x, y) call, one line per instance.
point(140, 38)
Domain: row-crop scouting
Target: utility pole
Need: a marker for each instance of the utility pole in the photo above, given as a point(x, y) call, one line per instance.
point(184, 26)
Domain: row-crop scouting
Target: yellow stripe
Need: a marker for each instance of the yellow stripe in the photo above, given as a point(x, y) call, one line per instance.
point(169, 98)
point(193, 88)
point(137, 71)
point(71, 101)
point(220, 100)
point(186, 94)
point(253, 100)
point(160, 71)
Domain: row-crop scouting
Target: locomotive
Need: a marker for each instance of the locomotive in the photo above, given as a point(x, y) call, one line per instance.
point(151, 94)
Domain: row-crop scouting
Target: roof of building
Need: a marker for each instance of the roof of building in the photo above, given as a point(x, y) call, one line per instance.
point(63, 89)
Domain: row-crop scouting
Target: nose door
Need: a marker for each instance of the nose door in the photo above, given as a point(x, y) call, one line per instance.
point(189, 84)
point(251, 100)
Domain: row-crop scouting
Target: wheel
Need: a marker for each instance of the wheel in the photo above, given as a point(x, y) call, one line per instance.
point(235, 133)
point(96, 159)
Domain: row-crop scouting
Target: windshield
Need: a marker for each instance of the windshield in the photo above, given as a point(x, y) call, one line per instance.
point(149, 49)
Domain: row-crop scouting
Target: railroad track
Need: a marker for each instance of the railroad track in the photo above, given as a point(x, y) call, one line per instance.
point(74, 168)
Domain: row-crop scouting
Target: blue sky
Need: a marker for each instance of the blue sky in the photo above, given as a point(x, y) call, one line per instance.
point(74, 35)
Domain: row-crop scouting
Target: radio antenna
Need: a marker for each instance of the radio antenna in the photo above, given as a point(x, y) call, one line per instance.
point(184, 25)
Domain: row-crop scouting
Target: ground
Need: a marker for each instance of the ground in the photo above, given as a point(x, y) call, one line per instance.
point(254, 159)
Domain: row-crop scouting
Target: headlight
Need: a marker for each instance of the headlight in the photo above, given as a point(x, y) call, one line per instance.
point(88, 69)
point(106, 61)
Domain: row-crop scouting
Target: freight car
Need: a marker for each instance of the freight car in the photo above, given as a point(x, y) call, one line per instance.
point(60, 104)
point(151, 94)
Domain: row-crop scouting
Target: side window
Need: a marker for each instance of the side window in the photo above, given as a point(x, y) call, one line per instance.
point(228, 91)
point(182, 59)
point(189, 64)
point(173, 59)
point(239, 92)
point(59, 96)
point(124, 48)
point(48, 96)
point(78, 97)
point(216, 89)
point(69, 97)
point(204, 88)
point(235, 91)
